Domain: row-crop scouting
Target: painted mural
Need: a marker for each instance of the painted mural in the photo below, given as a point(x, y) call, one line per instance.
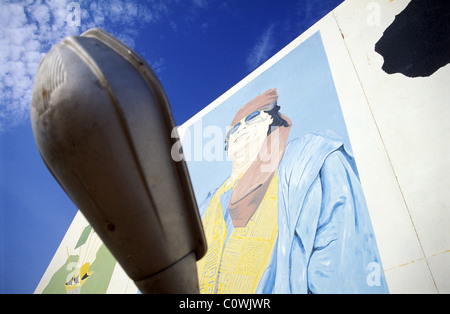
point(87, 269)
point(280, 197)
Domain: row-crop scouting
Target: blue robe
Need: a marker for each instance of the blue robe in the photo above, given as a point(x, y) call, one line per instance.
point(325, 240)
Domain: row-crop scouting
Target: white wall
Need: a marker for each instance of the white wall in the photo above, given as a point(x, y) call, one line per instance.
point(400, 133)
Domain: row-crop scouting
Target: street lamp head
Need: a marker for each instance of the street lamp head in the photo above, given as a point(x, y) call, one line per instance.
point(103, 126)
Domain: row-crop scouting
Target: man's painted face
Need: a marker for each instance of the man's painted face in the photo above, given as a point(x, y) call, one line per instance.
point(246, 137)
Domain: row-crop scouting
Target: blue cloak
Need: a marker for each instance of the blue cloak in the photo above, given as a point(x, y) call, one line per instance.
point(325, 240)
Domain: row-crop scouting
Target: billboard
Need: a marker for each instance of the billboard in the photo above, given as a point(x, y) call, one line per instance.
point(323, 171)
point(280, 198)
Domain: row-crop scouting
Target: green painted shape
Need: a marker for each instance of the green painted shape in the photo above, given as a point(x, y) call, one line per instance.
point(84, 236)
point(97, 283)
point(60, 277)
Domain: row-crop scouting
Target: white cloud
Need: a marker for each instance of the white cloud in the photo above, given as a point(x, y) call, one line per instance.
point(158, 66)
point(263, 48)
point(29, 28)
point(200, 3)
point(18, 61)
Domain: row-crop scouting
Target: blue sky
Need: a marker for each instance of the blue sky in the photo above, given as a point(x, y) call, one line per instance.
point(198, 48)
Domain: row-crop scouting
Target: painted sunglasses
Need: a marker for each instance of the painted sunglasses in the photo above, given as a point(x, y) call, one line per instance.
point(252, 118)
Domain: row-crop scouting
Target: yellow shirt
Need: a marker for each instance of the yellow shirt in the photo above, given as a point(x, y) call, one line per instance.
point(238, 265)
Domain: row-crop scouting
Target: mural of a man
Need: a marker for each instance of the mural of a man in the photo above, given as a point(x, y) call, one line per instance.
point(291, 218)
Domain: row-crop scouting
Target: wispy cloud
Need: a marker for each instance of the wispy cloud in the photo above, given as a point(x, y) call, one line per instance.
point(28, 29)
point(262, 49)
point(200, 3)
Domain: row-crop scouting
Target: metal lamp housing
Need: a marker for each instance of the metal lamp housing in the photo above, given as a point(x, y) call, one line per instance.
point(103, 126)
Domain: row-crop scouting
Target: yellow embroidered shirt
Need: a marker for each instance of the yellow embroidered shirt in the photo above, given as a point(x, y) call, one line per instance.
point(237, 265)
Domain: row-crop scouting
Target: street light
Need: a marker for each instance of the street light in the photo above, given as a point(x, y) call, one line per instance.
point(103, 126)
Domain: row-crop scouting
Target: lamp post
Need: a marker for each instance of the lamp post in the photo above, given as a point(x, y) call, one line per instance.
point(103, 125)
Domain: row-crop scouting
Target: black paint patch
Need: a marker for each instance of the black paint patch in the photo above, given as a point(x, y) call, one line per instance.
point(417, 43)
